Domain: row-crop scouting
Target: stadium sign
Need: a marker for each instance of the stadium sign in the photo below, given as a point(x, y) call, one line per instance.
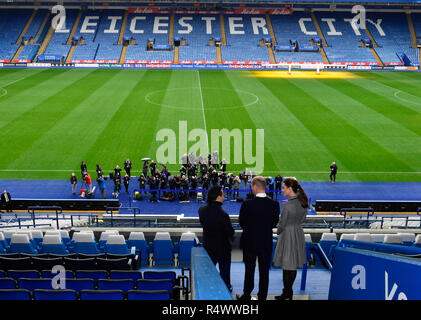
point(246, 11)
point(280, 11)
point(147, 10)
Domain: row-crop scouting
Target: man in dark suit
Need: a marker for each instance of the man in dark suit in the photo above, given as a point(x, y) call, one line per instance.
point(6, 200)
point(218, 233)
point(257, 219)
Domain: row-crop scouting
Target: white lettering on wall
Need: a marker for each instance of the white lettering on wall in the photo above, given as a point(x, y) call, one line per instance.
point(133, 25)
point(332, 31)
point(377, 25)
point(158, 24)
point(182, 23)
point(233, 26)
point(87, 23)
point(259, 23)
point(303, 27)
point(354, 26)
point(208, 24)
point(112, 28)
point(359, 280)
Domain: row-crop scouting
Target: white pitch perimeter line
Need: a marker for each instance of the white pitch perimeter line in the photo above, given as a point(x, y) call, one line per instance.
point(203, 106)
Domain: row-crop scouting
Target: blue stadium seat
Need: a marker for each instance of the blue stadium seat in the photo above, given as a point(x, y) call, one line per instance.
point(163, 249)
point(125, 274)
point(32, 284)
point(15, 294)
point(148, 295)
point(80, 284)
point(66, 294)
point(160, 275)
point(85, 243)
point(20, 244)
point(116, 244)
point(91, 274)
point(114, 264)
point(37, 237)
point(7, 263)
point(80, 264)
point(328, 241)
point(407, 238)
point(46, 263)
point(121, 284)
point(104, 237)
point(7, 283)
point(3, 243)
point(188, 240)
point(49, 275)
point(137, 240)
point(16, 274)
point(2, 274)
point(101, 295)
point(417, 241)
point(161, 284)
point(53, 244)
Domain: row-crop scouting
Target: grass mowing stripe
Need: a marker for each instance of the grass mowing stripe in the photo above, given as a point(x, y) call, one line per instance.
point(42, 117)
point(202, 104)
point(66, 143)
point(378, 97)
point(337, 135)
point(382, 130)
point(130, 131)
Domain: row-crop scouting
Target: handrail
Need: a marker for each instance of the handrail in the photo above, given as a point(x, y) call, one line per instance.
point(324, 257)
point(344, 211)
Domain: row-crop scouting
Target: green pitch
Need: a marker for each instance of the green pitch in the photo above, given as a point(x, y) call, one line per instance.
point(368, 122)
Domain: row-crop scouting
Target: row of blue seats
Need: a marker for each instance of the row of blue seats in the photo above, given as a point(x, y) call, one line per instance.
point(162, 249)
point(23, 294)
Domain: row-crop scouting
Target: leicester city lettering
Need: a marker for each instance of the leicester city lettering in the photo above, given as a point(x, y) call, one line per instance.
point(235, 25)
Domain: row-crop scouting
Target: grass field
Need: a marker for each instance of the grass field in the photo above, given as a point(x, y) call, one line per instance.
point(368, 122)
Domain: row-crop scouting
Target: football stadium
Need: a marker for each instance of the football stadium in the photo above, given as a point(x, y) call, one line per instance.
point(213, 150)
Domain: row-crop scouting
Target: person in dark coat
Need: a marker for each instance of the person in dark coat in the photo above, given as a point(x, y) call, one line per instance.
point(128, 166)
point(333, 171)
point(290, 251)
point(126, 182)
point(218, 233)
point(6, 200)
point(73, 182)
point(257, 219)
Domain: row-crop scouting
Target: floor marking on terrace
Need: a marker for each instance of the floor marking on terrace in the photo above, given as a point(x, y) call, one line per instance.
point(252, 99)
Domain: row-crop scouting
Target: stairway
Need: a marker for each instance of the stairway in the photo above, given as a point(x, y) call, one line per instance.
point(45, 43)
point(70, 53)
point(123, 28)
point(218, 55)
point(171, 31)
point(223, 34)
point(271, 54)
point(376, 55)
point(123, 54)
point(41, 28)
point(412, 30)
point(319, 30)
point(373, 41)
point(176, 55)
point(17, 53)
point(74, 28)
point(25, 29)
point(324, 55)
point(271, 31)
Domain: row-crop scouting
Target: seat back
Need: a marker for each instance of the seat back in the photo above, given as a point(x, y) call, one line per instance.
point(20, 244)
point(66, 294)
point(156, 284)
point(112, 284)
point(7, 283)
point(15, 263)
point(16, 274)
point(347, 236)
point(148, 295)
point(407, 238)
point(365, 237)
point(32, 284)
point(85, 243)
point(15, 294)
point(188, 240)
point(160, 275)
point(417, 241)
point(116, 245)
point(101, 295)
point(80, 264)
point(125, 274)
point(328, 241)
point(103, 239)
point(91, 274)
point(46, 263)
point(307, 238)
point(114, 264)
point(47, 274)
point(393, 239)
point(377, 237)
point(3, 243)
point(80, 284)
point(53, 244)
point(163, 249)
point(37, 236)
point(137, 240)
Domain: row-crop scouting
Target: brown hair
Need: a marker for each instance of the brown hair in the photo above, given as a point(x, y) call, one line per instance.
point(295, 186)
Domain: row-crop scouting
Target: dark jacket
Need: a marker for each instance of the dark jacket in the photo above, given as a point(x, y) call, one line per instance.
point(3, 198)
point(257, 219)
point(218, 232)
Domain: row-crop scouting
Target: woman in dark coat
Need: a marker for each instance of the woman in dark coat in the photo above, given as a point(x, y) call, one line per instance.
point(290, 252)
